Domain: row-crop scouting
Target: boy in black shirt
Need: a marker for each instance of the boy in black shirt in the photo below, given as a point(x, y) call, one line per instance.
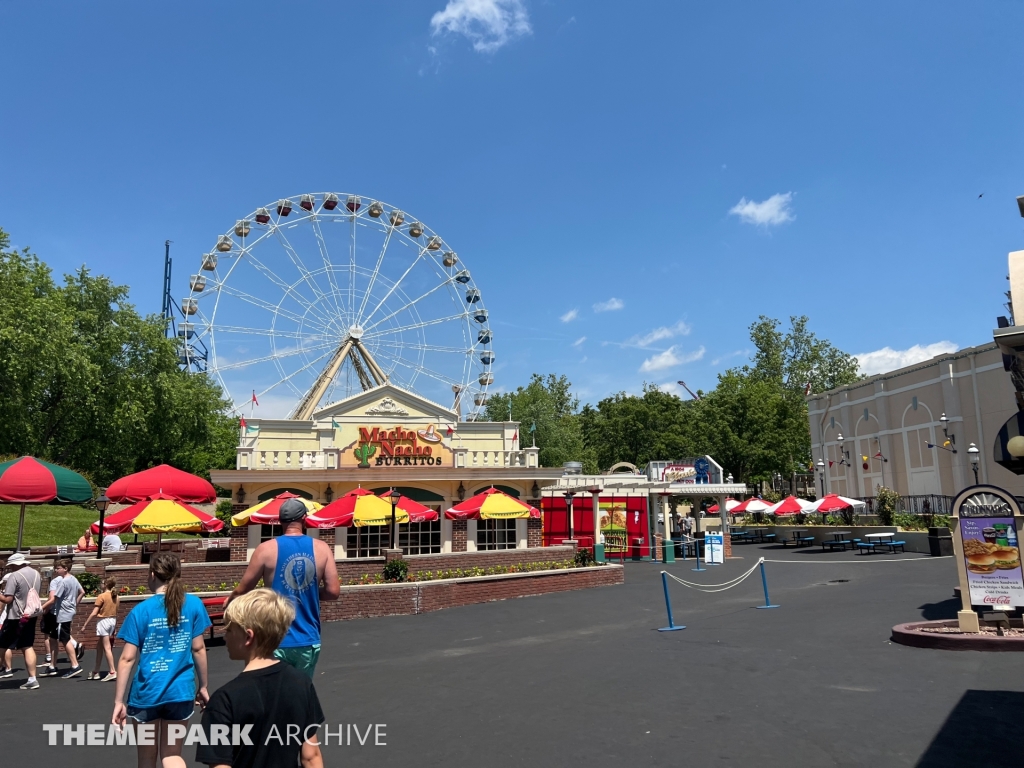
point(278, 701)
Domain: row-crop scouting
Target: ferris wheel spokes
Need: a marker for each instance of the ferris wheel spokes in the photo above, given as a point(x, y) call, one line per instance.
point(376, 271)
point(328, 268)
point(306, 276)
point(407, 306)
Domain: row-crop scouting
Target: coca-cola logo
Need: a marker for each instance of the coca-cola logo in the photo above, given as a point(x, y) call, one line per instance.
point(997, 600)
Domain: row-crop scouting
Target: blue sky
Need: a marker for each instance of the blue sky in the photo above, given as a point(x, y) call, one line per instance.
point(632, 184)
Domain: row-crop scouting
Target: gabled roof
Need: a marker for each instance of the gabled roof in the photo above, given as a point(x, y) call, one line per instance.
point(373, 397)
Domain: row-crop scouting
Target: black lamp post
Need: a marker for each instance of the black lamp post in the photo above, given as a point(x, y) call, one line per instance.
point(821, 476)
point(568, 509)
point(103, 502)
point(975, 456)
point(395, 497)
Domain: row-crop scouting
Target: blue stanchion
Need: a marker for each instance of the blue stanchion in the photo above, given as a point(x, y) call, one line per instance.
point(668, 606)
point(764, 583)
point(696, 548)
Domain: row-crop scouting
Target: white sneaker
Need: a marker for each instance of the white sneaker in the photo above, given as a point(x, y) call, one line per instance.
point(47, 658)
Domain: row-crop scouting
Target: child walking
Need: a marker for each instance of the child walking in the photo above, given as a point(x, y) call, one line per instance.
point(106, 610)
point(165, 635)
point(273, 696)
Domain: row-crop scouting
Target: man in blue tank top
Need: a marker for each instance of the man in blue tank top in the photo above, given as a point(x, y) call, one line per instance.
point(302, 569)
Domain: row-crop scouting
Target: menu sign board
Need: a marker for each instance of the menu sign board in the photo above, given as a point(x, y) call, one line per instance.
point(991, 551)
point(714, 548)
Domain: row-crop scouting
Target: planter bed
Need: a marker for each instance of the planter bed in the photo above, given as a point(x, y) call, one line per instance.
point(946, 635)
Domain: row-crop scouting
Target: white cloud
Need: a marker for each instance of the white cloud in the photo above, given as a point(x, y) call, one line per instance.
point(489, 24)
point(670, 358)
point(609, 306)
point(889, 359)
point(774, 210)
point(723, 358)
point(579, 341)
point(671, 388)
point(571, 315)
point(659, 334)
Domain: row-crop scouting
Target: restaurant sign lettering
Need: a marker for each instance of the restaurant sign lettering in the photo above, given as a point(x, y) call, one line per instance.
point(397, 446)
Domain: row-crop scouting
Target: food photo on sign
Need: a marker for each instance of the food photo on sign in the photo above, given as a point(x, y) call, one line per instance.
point(992, 557)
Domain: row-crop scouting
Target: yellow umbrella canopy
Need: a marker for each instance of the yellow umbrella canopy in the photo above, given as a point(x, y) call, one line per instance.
point(492, 504)
point(266, 512)
point(159, 514)
point(361, 508)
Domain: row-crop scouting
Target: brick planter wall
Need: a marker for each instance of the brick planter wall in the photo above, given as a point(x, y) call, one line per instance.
point(368, 601)
point(239, 542)
point(458, 535)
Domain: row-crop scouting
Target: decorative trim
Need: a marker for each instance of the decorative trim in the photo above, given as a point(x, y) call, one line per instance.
point(386, 407)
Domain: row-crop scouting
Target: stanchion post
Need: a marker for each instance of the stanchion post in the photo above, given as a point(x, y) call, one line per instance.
point(696, 548)
point(668, 606)
point(764, 583)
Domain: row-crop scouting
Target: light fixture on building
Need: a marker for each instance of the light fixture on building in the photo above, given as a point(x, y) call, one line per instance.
point(461, 491)
point(241, 495)
point(950, 439)
point(844, 454)
point(568, 509)
point(729, 479)
point(535, 491)
point(395, 496)
point(821, 475)
point(328, 494)
point(975, 456)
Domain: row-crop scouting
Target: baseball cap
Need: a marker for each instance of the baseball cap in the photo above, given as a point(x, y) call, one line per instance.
point(291, 511)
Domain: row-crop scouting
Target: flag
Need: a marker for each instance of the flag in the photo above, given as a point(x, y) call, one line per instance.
point(334, 424)
point(450, 430)
point(516, 435)
point(830, 463)
point(533, 427)
point(807, 390)
point(242, 423)
point(252, 429)
point(257, 402)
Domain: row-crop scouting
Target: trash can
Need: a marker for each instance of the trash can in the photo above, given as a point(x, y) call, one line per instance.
point(940, 542)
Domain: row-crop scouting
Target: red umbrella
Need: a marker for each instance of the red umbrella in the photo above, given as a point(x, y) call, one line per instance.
point(790, 505)
point(359, 508)
point(753, 504)
point(166, 479)
point(418, 513)
point(730, 506)
point(491, 504)
point(158, 514)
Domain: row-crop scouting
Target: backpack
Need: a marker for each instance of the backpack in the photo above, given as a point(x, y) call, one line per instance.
point(33, 605)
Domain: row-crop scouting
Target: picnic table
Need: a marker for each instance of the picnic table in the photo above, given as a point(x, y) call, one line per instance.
point(799, 538)
point(838, 540)
point(876, 541)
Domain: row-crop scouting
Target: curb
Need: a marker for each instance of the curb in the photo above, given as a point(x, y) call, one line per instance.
point(910, 634)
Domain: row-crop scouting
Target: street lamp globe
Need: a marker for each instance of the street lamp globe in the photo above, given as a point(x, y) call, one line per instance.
point(975, 456)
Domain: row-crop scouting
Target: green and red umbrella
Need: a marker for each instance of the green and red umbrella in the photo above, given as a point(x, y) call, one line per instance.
point(33, 481)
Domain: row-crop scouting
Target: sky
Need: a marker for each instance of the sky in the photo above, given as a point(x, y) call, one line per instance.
point(631, 184)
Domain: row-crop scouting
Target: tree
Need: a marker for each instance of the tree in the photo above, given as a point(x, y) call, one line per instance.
point(547, 403)
point(90, 383)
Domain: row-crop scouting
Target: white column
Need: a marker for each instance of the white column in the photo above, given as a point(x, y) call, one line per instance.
point(595, 500)
point(723, 514)
point(666, 517)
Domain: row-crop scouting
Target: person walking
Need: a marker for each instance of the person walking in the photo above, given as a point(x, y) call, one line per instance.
point(164, 634)
point(302, 569)
point(62, 602)
point(8, 668)
point(21, 596)
point(106, 609)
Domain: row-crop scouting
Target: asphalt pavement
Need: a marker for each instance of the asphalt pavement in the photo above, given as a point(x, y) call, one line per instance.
point(584, 677)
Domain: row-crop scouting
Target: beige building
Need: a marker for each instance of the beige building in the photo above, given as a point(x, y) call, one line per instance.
point(878, 431)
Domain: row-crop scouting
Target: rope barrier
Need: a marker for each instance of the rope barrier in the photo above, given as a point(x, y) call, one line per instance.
point(725, 584)
point(866, 560)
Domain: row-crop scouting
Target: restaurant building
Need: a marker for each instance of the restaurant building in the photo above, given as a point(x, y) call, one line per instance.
point(383, 438)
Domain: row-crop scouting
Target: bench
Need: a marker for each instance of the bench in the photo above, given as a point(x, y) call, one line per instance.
point(833, 544)
point(866, 546)
point(805, 541)
point(215, 610)
point(893, 544)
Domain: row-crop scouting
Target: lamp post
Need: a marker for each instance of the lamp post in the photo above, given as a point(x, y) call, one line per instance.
point(821, 475)
point(975, 456)
point(395, 497)
point(103, 502)
point(568, 510)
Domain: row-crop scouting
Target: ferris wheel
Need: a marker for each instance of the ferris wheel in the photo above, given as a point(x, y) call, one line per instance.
point(317, 297)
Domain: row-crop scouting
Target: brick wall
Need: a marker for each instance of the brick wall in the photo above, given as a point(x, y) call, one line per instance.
point(727, 545)
point(534, 532)
point(358, 602)
point(458, 535)
point(239, 542)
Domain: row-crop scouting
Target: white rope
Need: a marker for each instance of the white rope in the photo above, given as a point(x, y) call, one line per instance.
point(724, 585)
point(866, 560)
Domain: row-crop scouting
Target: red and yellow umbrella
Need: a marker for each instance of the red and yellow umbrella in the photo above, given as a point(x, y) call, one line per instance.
point(418, 513)
point(491, 504)
point(359, 508)
point(266, 512)
point(159, 514)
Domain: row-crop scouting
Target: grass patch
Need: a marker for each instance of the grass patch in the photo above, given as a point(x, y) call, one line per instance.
point(53, 524)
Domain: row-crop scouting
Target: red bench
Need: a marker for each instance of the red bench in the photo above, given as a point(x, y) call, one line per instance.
point(215, 610)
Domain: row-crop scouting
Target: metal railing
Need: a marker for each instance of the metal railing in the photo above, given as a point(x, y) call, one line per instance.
point(925, 504)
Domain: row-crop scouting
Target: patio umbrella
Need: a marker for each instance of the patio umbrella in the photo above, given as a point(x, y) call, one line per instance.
point(159, 514)
point(32, 481)
point(162, 479)
point(752, 504)
point(833, 502)
point(730, 506)
point(790, 505)
point(490, 505)
point(266, 512)
point(360, 508)
point(418, 513)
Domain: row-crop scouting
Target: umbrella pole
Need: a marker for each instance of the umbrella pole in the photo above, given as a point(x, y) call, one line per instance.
point(21, 528)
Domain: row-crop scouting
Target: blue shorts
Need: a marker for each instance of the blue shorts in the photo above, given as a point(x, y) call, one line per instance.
point(178, 710)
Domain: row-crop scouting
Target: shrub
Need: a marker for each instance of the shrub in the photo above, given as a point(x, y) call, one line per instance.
point(887, 501)
point(583, 558)
point(91, 583)
point(395, 570)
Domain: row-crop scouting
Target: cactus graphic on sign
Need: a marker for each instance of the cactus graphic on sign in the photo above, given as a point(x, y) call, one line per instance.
point(363, 453)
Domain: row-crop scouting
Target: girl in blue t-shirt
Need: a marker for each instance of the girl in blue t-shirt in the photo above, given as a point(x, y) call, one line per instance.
point(165, 635)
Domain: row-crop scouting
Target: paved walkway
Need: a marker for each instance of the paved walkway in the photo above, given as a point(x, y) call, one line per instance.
point(582, 677)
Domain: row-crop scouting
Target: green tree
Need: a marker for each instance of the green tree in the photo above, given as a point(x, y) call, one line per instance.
point(90, 383)
point(548, 403)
